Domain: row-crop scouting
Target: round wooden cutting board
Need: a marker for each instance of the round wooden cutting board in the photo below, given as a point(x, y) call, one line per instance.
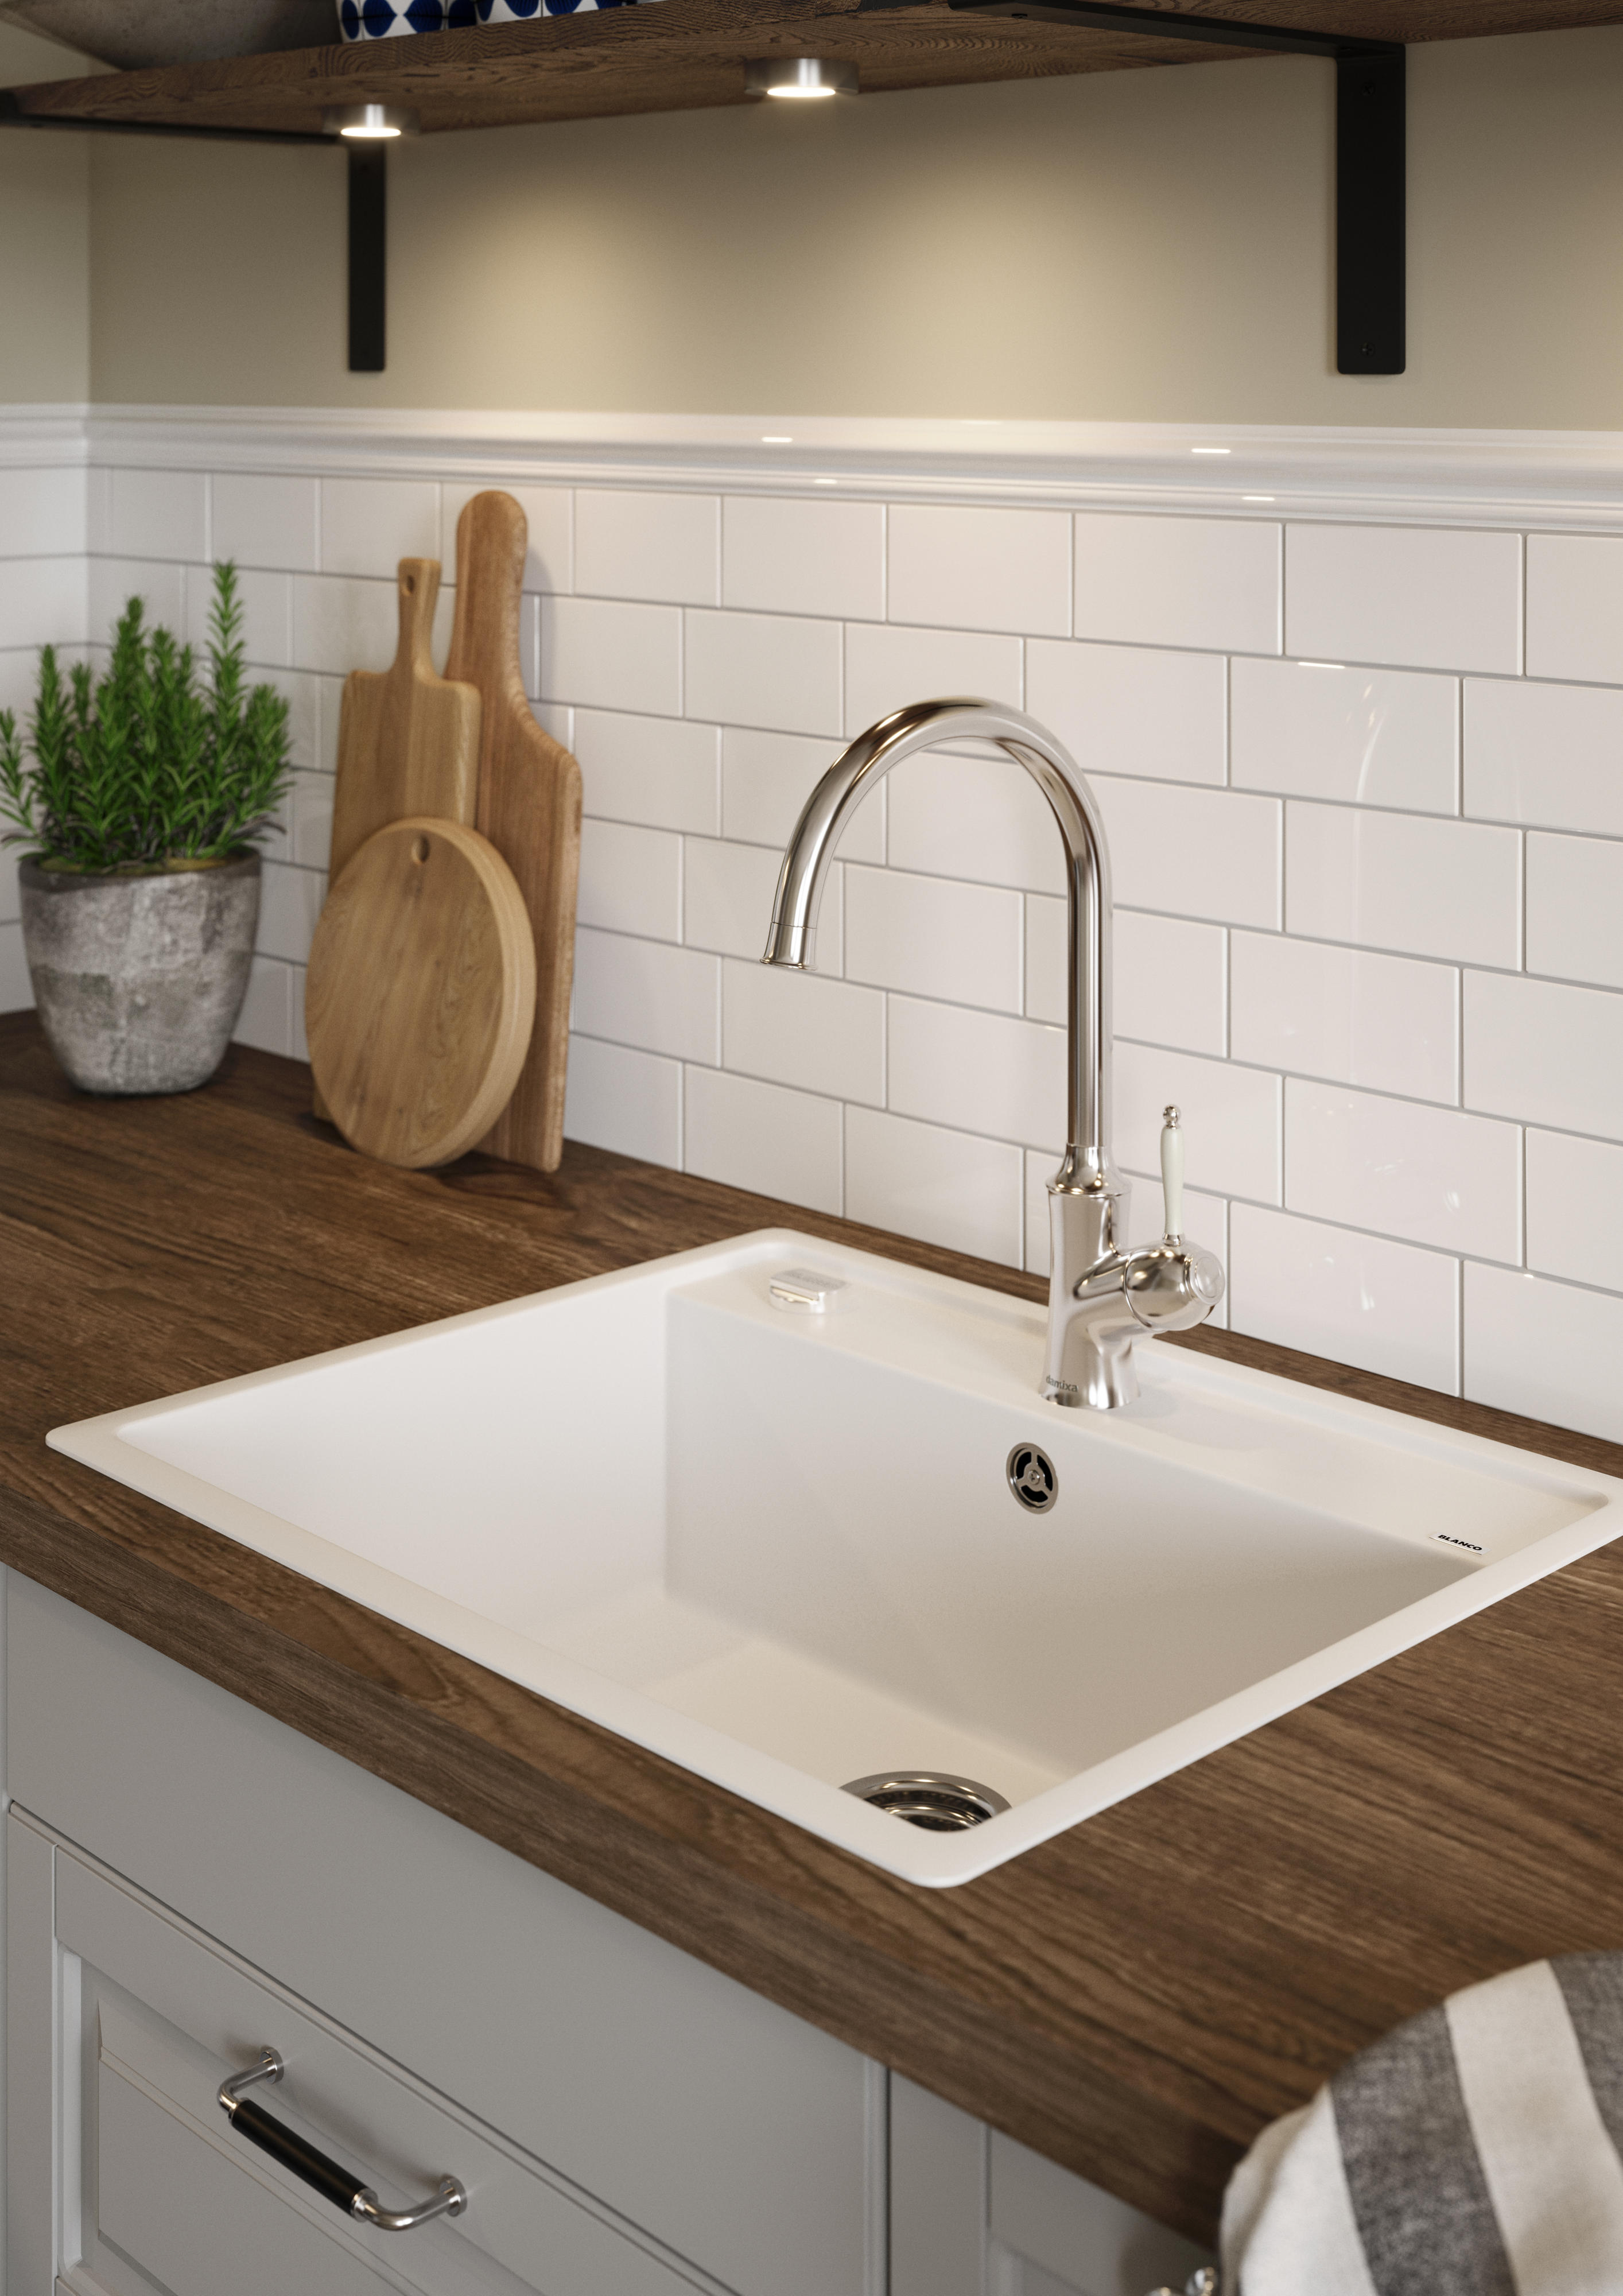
point(421, 993)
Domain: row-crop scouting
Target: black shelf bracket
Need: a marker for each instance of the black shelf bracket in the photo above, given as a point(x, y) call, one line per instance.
point(1371, 184)
point(368, 205)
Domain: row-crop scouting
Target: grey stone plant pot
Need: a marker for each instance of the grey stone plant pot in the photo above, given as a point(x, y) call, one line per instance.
point(139, 980)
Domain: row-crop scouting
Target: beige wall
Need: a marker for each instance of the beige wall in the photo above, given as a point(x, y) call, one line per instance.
point(1149, 246)
point(44, 242)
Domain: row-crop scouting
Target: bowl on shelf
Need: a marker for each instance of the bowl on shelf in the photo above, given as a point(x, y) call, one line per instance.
point(525, 12)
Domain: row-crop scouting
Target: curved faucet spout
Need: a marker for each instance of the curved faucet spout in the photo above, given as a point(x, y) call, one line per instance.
point(924, 724)
point(1101, 1296)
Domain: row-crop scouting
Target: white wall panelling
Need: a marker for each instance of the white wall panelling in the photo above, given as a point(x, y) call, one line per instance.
point(1359, 747)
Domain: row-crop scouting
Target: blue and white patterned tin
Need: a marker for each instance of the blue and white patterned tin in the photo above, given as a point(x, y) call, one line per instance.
point(389, 19)
point(525, 12)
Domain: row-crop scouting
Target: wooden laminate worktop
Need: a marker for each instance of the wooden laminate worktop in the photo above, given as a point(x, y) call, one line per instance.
point(1134, 1999)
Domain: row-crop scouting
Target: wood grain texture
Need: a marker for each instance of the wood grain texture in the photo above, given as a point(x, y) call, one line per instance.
point(1134, 1998)
point(421, 993)
point(528, 806)
point(690, 53)
point(407, 738)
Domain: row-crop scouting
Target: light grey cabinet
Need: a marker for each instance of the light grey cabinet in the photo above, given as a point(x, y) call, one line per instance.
point(189, 1881)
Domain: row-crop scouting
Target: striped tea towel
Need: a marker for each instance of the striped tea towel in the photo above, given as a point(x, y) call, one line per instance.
point(1475, 2151)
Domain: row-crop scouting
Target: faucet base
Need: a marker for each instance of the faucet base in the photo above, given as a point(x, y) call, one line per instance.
point(1111, 1382)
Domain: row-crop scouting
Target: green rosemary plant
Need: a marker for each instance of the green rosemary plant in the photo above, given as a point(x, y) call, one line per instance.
point(147, 767)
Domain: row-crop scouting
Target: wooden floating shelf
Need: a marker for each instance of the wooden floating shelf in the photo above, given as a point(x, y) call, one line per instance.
point(688, 54)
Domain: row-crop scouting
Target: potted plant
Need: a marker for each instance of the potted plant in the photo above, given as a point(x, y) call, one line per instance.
point(148, 791)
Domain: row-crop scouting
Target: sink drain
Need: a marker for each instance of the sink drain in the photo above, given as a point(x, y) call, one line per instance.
point(933, 1798)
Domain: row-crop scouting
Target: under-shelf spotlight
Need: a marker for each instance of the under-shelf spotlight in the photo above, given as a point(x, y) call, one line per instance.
point(800, 78)
point(369, 123)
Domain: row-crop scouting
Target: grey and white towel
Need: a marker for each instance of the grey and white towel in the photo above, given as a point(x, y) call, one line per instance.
point(1477, 2151)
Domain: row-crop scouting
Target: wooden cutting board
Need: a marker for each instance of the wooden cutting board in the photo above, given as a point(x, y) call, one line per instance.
point(528, 806)
point(420, 992)
point(407, 738)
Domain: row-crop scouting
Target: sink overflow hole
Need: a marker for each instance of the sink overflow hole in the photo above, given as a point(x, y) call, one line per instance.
point(933, 1798)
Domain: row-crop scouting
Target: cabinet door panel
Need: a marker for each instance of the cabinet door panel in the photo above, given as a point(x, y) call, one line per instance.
point(738, 2136)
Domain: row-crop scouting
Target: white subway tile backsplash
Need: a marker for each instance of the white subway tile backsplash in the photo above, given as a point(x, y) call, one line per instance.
point(1170, 976)
point(1574, 908)
point(707, 662)
point(940, 1186)
point(749, 1135)
point(633, 545)
point(158, 514)
point(305, 813)
point(1132, 710)
point(1231, 1120)
point(975, 1071)
point(930, 936)
point(1196, 852)
point(1416, 597)
point(266, 522)
point(16, 989)
point(266, 1019)
point(1208, 582)
point(1392, 881)
point(663, 771)
point(627, 1101)
point(290, 903)
point(159, 585)
point(783, 556)
point(726, 902)
point(768, 670)
point(1360, 736)
point(981, 817)
point(1544, 1053)
point(887, 667)
point(1575, 606)
point(1547, 1351)
point(987, 570)
point(341, 625)
point(765, 779)
point(368, 525)
point(1547, 755)
point(1383, 1023)
point(601, 655)
point(798, 1027)
point(43, 513)
point(1575, 1208)
point(1428, 1175)
point(648, 995)
point(630, 880)
point(549, 519)
point(1357, 1299)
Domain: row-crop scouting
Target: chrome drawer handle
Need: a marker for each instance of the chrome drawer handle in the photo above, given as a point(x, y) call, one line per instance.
point(325, 2176)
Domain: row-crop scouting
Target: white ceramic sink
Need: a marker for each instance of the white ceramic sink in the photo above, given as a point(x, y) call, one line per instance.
point(781, 1547)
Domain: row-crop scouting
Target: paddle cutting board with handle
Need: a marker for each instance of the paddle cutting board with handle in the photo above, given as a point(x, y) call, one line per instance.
point(407, 738)
point(528, 806)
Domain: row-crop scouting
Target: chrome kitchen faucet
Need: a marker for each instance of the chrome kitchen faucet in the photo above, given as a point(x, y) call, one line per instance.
point(1101, 1296)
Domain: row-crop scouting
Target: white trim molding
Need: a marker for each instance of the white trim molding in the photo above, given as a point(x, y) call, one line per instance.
point(1522, 478)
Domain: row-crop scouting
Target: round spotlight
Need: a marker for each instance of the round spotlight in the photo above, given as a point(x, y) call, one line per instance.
point(369, 123)
point(800, 78)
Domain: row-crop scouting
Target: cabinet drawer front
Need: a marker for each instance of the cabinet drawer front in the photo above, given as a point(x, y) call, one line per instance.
point(191, 2218)
point(164, 2015)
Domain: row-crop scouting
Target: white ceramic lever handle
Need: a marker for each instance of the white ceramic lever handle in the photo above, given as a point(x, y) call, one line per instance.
point(1172, 1171)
